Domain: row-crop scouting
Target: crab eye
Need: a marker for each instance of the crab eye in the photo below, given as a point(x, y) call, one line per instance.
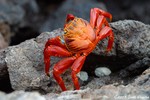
point(65, 32)
point(69, 17)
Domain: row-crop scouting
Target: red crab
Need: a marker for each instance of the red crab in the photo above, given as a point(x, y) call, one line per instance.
point(79, 40)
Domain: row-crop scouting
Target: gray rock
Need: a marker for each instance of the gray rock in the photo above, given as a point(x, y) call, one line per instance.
point(14, 12)
point(10, 12)
point(25, 61)
point(77, 7)
point(97, 83)
point(21, 95)
point(108, 92)
point(135, 68)
point(3, 66)
point(132, 43)
point(143, 80)
point(98, 90)
point(132, 38)
point(102, 71)
point(26, 66)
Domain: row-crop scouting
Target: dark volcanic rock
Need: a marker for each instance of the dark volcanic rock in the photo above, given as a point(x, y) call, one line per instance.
point(97, 90)
point(132, 43)
point(3, 66)
point(135, 68)
point(131, 38)
point(25, 64)
point(15, 16)
point(13, 11)
point(10, 12)
point(143, 80)
point(25, 61)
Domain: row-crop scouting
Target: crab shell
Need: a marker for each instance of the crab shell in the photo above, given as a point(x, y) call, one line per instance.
point(79, 35)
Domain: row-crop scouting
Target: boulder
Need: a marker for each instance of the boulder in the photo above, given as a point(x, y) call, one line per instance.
point(26, 68)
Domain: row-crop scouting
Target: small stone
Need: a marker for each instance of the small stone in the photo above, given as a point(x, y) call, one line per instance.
point(102, 71)
point(83, 76)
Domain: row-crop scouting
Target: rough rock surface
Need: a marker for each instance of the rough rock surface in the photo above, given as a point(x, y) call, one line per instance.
point(143, 80)
point(26, 68)
point(77, 7)
point(108, 92)
point(21, 95)
point(138, 90)
point(3, 66)
point(131, 38)
point(25, 64)
point(135, 68)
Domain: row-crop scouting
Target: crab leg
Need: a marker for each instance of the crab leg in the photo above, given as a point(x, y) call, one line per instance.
point(107, 32)
point(100, 21)
point(93, 18)
point(53, 50)
point(95, 13)
point(60, 67)
point(55, 41)
point(76, 67)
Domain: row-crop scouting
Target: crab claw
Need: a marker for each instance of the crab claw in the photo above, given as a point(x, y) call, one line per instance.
point(69, 18)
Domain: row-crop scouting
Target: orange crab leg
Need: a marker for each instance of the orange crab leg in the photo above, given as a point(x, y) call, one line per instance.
point(60, 67)
point(95, 13)
point(107, 32)
point(100, 21)
point(76, 67)
point(53, 50)
point(93, 18)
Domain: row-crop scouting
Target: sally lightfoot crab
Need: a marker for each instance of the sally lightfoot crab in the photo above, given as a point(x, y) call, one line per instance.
point(79, 40)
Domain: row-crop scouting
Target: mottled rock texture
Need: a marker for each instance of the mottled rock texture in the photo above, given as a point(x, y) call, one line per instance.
point(21, 95)
point(26, 68)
